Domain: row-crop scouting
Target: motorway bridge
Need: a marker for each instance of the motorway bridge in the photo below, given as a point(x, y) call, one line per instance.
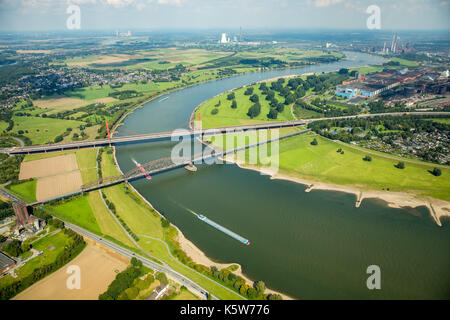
point(147, 137)
point(161, 165)
point(161, 136)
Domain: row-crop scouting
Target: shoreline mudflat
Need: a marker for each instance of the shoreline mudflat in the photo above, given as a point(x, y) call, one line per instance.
point(438, 209)
point(195, 253)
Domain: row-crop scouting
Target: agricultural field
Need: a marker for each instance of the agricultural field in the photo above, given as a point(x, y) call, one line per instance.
point(98, 269)
point(87, 164)
point(143, 220)
point(54, 186)
point(108, 225)
point(48, 167)
point(56, 175)
point(156, 59)
point(93, 214)
point(76, 211)
point(59, 103)
point(25, 190)
point(42, 130)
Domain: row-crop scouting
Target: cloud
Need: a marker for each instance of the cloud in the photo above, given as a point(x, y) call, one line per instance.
point(171, 2)
point(119, 3)
point(140, 6)
point(326, 3)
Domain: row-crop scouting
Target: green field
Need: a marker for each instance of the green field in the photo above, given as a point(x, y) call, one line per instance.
point(186, 295)
point(43, 130)
point(52, 246)
point(106, 222)
point(440, 120)
point(26, 190)
point(298, 158)
point(76, 211)
point(228, 116)
point(405, 62)
point(86, 159)
point(90, 93)
point(143, 220)
point(88, 211)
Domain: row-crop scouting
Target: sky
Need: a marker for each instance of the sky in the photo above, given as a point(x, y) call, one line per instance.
point(225, 14)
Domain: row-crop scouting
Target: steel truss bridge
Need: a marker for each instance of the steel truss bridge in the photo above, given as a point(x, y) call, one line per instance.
point(158, 166)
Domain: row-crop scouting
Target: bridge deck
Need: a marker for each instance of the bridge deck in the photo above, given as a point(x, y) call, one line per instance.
point(167, 165)
point(148, 137)
point(161, 136)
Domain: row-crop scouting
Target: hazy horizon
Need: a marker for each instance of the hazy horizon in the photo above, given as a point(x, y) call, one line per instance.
point(50, 15)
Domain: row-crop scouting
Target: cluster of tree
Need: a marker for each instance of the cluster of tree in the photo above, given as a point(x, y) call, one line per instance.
point(367, 158)
point(123, 281)
point(126, 94)
point(323, 59)
point(6, 210)
point(226, 276)
point(325, 108)
point(112, 207)
point(6, 115)
point(10, 74)
point(15, 248)
point(239, 284)
point(9, 169)
point(380, 107)
point(436, 172)
point(385, 128)
point(165, 223)
point(227, 72)
point(236, 60)
point(231, 96)
point(254, 110)
point(162, 278)
point(99, 163)
point(72, 248)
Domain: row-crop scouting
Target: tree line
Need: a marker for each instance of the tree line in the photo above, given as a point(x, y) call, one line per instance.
point(72, 248)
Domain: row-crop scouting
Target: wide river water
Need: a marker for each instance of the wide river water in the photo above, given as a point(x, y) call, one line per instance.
point(313, 245)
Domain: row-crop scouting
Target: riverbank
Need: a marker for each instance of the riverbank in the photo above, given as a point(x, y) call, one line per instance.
point(439, 209)
point(169, 91)
point(197, 255)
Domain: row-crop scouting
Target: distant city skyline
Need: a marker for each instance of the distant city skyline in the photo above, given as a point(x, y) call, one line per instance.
point(204, 14)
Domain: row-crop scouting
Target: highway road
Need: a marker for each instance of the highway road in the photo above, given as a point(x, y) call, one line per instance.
point(183, 280)
point(8, 195)
point(159, 136)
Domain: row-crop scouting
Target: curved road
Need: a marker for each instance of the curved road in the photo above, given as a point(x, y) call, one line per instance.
point(188, 283)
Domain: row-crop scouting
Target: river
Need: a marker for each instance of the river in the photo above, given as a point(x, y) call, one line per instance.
point(313, 245)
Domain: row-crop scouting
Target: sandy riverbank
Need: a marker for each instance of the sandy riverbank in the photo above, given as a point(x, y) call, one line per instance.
point(197, 255)
point(438, 209)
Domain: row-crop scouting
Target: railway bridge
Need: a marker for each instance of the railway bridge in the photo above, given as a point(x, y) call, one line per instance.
point(162, 165)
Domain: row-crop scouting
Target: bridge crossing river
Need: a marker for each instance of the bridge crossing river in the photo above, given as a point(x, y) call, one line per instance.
point(160, 166)
point(161, 136)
